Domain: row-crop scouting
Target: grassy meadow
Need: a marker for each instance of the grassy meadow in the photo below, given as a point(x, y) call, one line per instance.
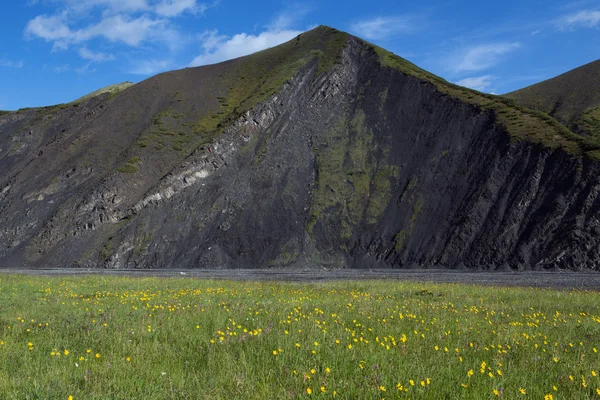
point(98, 337)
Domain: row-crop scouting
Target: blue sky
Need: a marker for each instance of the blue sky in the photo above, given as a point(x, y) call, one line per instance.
point(53, 51)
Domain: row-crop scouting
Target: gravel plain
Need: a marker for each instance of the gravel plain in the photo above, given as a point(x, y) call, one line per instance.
point(545, 279)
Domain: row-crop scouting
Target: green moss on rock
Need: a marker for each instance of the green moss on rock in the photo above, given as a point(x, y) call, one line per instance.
point(354, 185)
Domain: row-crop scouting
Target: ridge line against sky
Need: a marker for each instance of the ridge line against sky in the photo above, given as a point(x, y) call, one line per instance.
point(54, 51)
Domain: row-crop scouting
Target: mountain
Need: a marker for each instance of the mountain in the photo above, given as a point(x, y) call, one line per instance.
point(572, 98)
point(324, 151)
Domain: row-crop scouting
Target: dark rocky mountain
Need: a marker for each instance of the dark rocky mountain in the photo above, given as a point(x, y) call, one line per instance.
point(324, 151)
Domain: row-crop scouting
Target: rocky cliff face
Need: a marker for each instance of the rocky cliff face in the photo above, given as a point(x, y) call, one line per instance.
point(357, 165)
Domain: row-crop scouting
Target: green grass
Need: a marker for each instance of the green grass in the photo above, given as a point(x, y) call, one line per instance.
point(520, 122)
point(112, 90)
point(2, 112)
point(567, 97)
point(147, 338)
point(590, 120)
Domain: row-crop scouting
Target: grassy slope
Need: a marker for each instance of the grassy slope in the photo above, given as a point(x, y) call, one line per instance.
point(573, 98)
point(112, 89)
point(520, 122)
point(250, 80)
point(133, 338)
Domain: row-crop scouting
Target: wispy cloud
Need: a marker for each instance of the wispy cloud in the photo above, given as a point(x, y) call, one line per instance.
point(88, 54)
point(289, 17)
point(585, 18)
point(151, 67)
point(480, 57)
point(4, 62)
point(62, 68)
point(110, 6)
point(116, 28)
point(85, 69)
point(130, 22)
point(172, 8)
point(480, 83)
point(167, 8)
point(382, 27)
point(219, 48)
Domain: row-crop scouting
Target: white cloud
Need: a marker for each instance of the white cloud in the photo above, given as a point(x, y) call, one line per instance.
point(10, 64)
point(586, 18)
point(62, 68)
point(289, 17)
point(166, 8)
point(382, 27)
point(49, 28)
point(87, 54)
point(172, 8)
point(122, 28)
point(480, 57)
point(480, 83)
point(110, 6)
point(219, 48)
point(151, 67)
point(131, 22)
point(131, 31)
point(85, 69)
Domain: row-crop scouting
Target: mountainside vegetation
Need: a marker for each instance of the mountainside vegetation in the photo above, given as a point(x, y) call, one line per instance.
point(323, 151)
point(573, 98)
point(112, 90)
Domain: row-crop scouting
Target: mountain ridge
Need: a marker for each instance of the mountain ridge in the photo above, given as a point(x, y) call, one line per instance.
point(572, 98)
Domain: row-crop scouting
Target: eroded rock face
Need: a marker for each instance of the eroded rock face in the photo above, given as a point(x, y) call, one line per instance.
point(359, 166)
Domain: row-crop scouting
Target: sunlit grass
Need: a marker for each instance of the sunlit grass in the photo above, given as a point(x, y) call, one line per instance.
point(123, 338)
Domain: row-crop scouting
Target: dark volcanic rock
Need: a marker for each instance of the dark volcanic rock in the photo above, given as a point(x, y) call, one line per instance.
point(354, 166)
